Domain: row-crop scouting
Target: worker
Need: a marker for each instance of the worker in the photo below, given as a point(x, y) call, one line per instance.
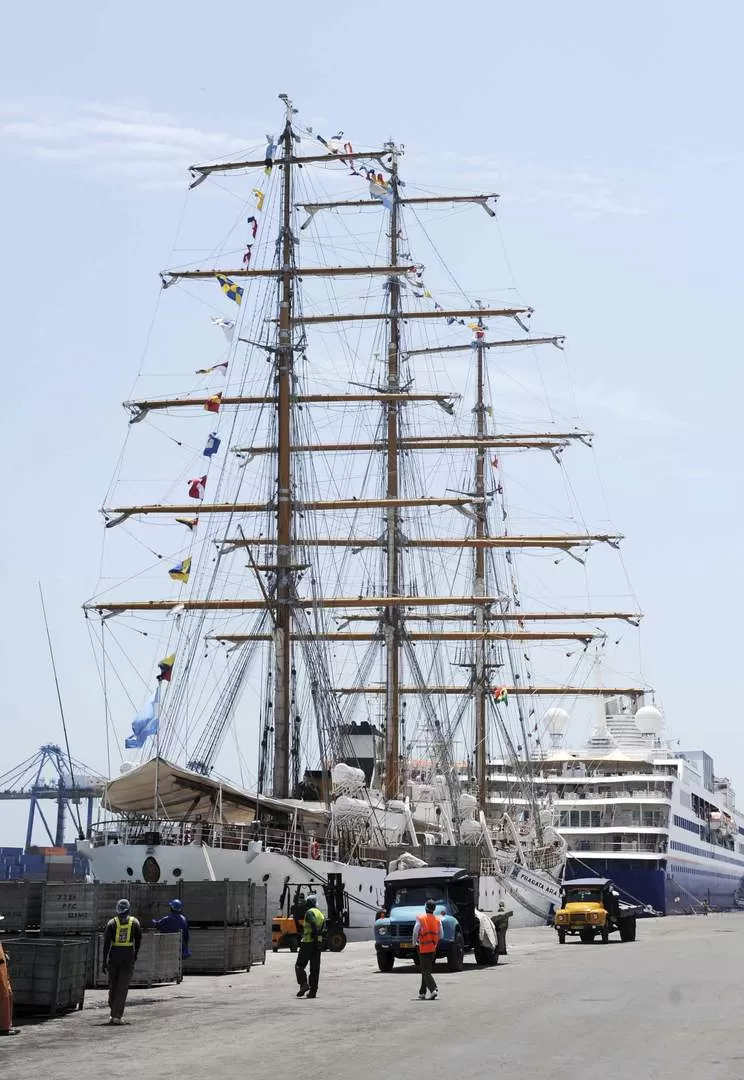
point(310, 948)
point(501, 922)
point(121, 945)
point(427, 931)
point(6, 996)
point(175, 923)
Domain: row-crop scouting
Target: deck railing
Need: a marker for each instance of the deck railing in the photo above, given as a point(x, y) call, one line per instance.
point(227, 837)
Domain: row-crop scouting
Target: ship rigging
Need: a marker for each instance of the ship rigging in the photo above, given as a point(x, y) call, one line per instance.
point(361, 557)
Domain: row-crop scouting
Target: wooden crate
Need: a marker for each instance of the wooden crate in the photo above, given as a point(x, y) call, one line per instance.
point(219, 949)
point(217, 903)
point(48, 975)
point(259, 904)
point(158, 962)
point(20, 903)
point(68, 908)
point(259, 942)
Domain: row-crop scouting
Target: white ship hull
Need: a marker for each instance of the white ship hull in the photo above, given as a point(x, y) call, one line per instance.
point(365, 885)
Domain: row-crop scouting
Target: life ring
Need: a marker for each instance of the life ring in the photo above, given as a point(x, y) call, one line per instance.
point(315, 850)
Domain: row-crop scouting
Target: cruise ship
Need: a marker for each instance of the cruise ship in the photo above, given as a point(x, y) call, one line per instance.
point(658, 821)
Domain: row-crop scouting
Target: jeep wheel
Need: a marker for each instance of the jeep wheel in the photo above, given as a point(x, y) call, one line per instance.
point(605, 935)
point(561, 936)
point(627, 929)
point(385, 960)
point(456, 954)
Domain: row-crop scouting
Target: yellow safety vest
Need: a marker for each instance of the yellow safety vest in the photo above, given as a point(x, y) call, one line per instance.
point(123, 932)
point(314, 919)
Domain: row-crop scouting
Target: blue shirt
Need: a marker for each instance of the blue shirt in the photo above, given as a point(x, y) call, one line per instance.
point(171, 924)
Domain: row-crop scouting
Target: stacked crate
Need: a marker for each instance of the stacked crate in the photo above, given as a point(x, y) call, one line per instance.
point(221, 917)
point(20, 903)
point(84, 910)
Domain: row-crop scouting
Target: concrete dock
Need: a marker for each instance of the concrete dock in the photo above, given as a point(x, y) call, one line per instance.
point(665, 1006)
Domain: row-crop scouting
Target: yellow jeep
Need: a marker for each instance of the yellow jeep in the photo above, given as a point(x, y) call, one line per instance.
point(592, 906)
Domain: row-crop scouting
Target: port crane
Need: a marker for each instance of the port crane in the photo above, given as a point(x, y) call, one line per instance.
point(50, 775)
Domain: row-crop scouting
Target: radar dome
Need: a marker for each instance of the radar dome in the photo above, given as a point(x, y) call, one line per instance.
point(649, 720)
point(556, 721)
point(125, 767)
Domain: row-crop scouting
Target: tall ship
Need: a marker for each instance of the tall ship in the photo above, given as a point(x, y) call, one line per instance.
point(633, 807)
point(311, 546)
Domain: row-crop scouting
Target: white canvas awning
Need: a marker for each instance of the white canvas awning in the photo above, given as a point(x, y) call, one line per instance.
point(186, 795)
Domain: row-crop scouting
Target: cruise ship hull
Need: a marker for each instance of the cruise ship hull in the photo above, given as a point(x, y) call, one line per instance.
point(670, 886)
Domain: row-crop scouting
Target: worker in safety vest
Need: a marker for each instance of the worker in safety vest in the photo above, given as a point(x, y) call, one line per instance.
point(6, 996)
point(175, 923)
point(121, 944)
point(426, 934)
point(310, 948)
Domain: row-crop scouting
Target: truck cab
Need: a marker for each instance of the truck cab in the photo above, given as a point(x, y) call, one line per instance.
point(591, 906)
point(406, 893)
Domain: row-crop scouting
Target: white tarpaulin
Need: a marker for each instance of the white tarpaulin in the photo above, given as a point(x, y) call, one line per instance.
point(182, 794)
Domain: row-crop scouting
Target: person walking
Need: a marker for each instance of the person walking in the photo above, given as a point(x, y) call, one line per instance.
point(501, 922)
point(427, 931)
point(175, 923)
point(310, 948)
point(121, 945)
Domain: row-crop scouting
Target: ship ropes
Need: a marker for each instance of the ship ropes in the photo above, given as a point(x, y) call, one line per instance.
point(343, 562)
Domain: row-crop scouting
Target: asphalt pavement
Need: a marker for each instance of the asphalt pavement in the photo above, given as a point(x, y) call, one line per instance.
point(665, 1006)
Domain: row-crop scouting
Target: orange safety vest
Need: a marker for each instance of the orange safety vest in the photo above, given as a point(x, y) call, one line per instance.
point(430, 931)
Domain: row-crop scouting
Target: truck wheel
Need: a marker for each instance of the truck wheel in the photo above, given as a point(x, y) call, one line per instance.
point(586, 933)
point(484, 956)
point(561, 936)
point(385, 960)
point(605, 935)
point(456, 954)
point(628, 930)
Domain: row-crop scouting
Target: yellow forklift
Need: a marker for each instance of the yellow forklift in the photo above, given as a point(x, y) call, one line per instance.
point(287, 925)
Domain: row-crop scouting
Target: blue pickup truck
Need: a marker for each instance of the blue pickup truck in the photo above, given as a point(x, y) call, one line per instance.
point(406, 893)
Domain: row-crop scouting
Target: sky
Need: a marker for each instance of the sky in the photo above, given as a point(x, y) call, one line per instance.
point(613, 136)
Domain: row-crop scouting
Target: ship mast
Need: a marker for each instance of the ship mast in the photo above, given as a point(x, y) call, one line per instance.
point(392, 615)
point(284, 579)
point(479, 588)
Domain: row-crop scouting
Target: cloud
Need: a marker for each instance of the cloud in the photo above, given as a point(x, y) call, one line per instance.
point(588, 403)
point(583, 193)
point(149, 148)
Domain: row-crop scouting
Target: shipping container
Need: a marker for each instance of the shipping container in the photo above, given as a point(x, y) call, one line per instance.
point(48, 975)
point(219, 949)
point(20, 903)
